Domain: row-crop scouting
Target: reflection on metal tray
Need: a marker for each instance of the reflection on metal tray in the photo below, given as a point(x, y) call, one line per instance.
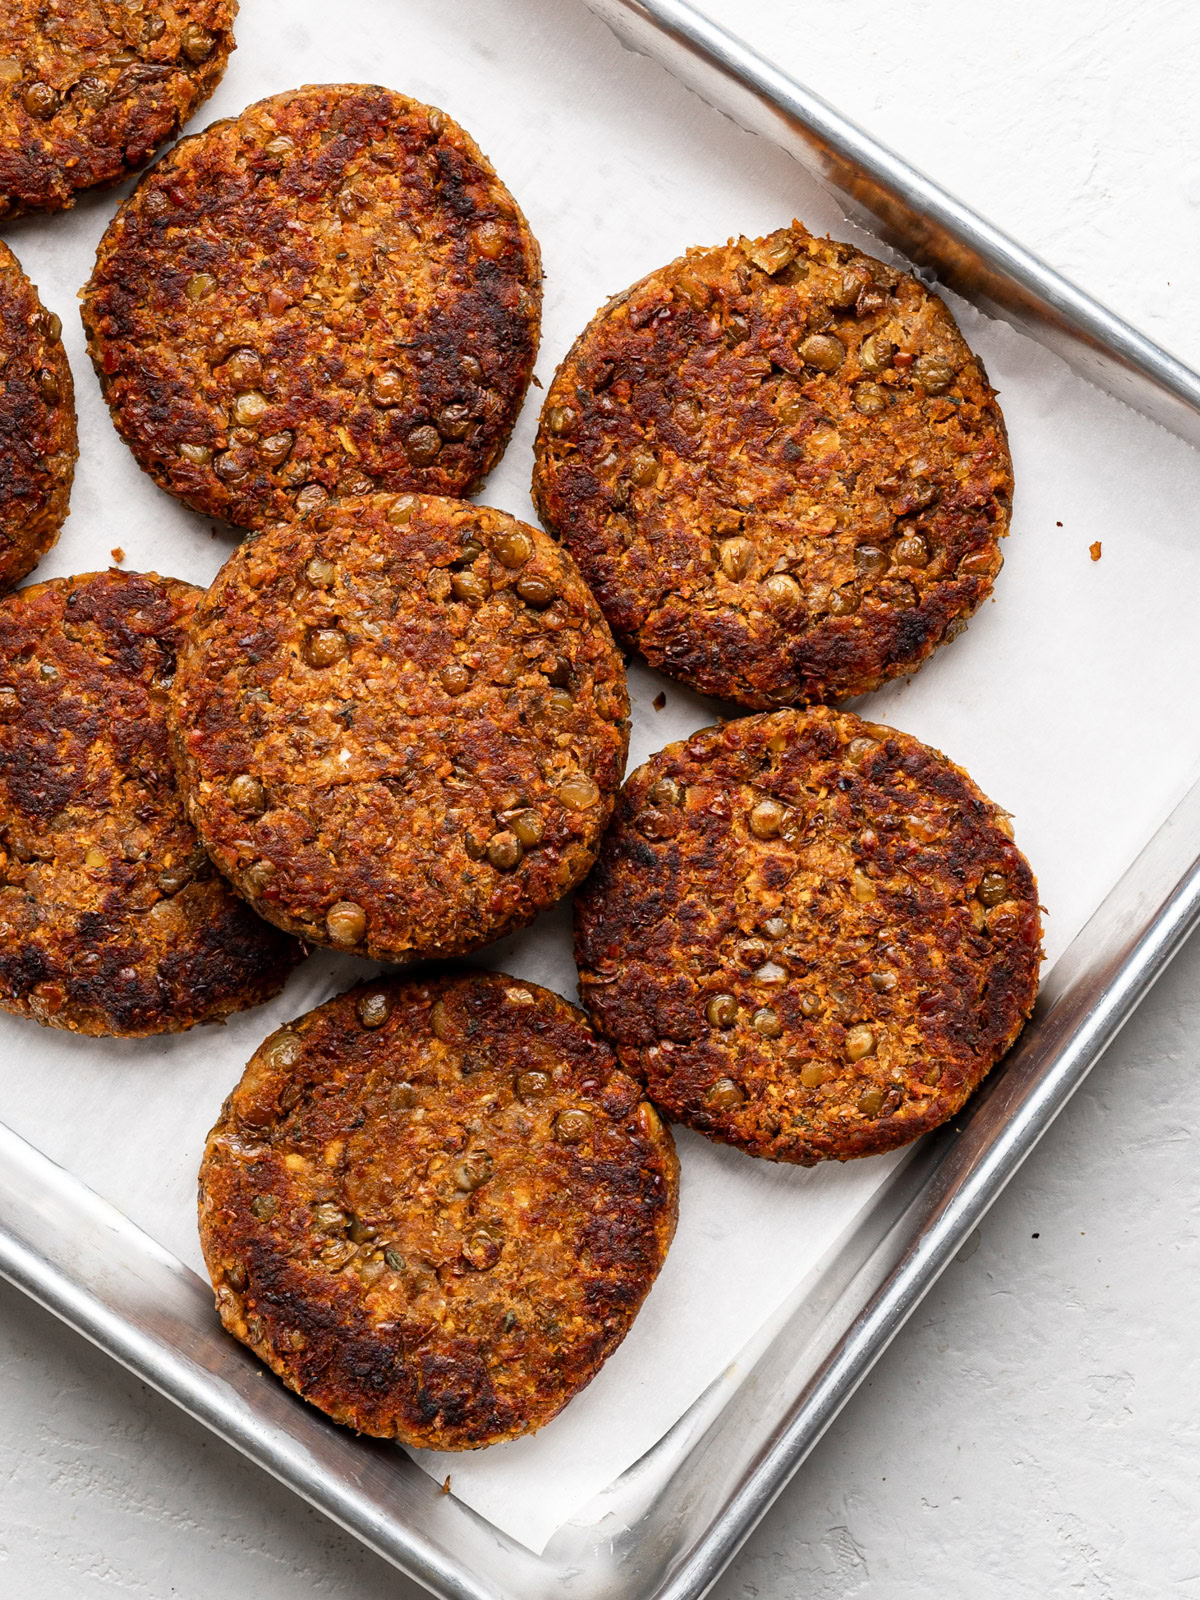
point(667, 1527)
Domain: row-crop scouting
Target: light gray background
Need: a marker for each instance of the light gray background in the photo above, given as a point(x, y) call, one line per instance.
point(1036, 1428)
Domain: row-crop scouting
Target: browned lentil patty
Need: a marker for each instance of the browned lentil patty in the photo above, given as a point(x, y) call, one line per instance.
point(811, 935)
point(38, 446)
point(434, 1209)
point(400, 726)
point(112, 919)
point(90, 89)
point(331, 292)
point(780, 468)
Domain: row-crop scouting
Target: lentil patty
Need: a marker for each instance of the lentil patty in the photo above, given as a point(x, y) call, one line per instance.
point(812, 936)
point(400, 726)
point(331, 292)
point(38, 446)
point(780, 468)
point(434, 1209)
point(112, 920)
point(90, 89)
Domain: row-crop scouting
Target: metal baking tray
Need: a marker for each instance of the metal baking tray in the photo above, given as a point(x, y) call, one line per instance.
point(673, 1520)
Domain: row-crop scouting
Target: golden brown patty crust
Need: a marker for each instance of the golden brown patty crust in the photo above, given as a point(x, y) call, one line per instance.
point(38, 447)
point(780, 468)
point(400, 726)
point(90, 89)
point(332, 292)
point(434, 1209)
point(812, 936)
point(112, 919)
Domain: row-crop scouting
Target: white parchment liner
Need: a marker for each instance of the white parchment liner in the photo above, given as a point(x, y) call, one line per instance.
point(1065, 699)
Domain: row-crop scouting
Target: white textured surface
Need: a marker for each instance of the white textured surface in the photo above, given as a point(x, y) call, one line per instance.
point(1031, 1431)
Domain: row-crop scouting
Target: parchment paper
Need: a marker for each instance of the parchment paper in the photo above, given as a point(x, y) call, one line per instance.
point(1068, 698)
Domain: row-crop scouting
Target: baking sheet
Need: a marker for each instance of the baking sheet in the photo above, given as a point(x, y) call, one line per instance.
point(1050, 699)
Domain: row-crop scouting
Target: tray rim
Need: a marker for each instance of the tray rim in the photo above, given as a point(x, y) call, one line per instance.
point(904, 207)
point(136, 1301)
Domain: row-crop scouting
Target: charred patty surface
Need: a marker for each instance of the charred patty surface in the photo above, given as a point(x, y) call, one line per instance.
point(331, 293)
point(780, 468)
point(810, 935)
point(400, 726)
point(434, 1209)
point(90, 89)
point(38, 447)
point(112, 919)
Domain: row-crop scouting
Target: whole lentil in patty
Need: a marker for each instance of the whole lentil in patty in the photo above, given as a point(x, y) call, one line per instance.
point(434, 1209)
point(112, 918)
point(400, 726)
point(329, 294)
point(779, 467)
point(90, 89)
point(811, 936)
